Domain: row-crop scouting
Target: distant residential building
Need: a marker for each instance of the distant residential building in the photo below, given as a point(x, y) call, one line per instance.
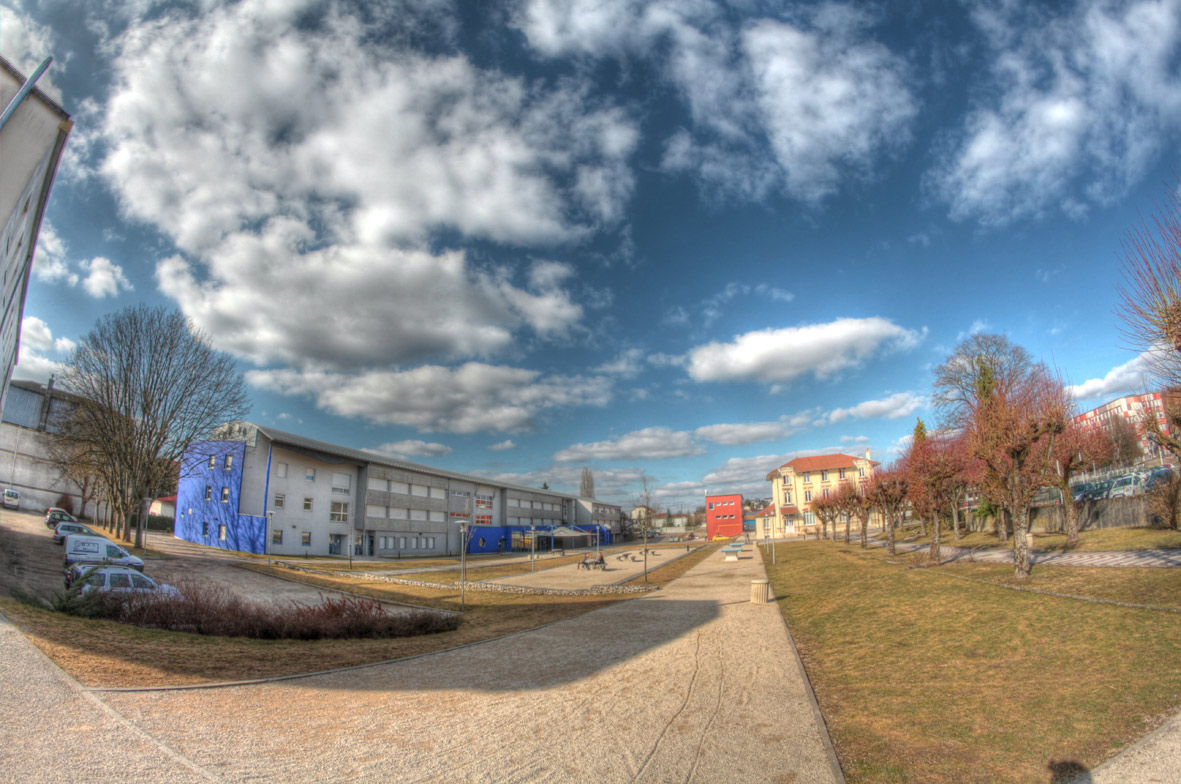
point(27, 430)
point(1132, 409)
point(723, 515)
point(795, 485)
point(252, 488)
point(32, 138)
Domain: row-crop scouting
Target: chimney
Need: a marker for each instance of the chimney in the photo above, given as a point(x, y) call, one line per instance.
point(867, 453)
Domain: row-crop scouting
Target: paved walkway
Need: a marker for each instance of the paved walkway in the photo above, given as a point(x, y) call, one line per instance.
point(1142, 559)
point(693, 683)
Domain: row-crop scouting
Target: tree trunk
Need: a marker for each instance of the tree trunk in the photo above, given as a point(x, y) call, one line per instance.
point(847, 521)
point(1002, 526)
point(890, 526)
point(955, 520)
point(864, 533)
point(935, 554)
point(923, 525)
point(1071, 515)
point(1021, 566)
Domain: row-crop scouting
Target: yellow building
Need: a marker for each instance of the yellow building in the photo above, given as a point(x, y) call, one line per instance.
point(795, 484)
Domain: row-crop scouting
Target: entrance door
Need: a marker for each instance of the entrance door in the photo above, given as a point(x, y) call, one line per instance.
point(371, 538)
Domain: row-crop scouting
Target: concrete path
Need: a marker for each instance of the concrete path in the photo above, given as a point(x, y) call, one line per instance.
point(693, 683)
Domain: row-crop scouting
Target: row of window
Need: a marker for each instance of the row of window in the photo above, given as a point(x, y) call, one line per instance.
point(227, 464)
point(338, 511)
point(824, 475)
point(401, 513)
point(225, 494)
point(305, 537)
point(724, 503)
point(342, 484)
point(406, 488)
point(407, 542)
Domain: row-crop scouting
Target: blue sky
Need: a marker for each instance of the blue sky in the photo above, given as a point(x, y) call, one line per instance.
point(688, 239)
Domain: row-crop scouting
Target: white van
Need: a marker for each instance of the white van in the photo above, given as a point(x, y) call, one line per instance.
point(11, 499)
point(82, 548)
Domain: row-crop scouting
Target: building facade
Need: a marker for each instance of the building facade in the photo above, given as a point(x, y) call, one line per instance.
point(795, 485)
point(32, 137)
point(723, 515)
point(256, 489)
point(1132, 409)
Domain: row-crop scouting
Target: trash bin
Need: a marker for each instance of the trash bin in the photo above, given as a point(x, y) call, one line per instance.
point(760, 591)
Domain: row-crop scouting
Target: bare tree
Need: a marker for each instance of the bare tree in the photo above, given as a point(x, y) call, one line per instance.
point(646, 500)
point(956, 380)
point(587, 489)
point(890, 493)
point(149, 384)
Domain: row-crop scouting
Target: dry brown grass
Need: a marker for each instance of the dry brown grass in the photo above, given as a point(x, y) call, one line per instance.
point(923, 678)
point(1100, 540)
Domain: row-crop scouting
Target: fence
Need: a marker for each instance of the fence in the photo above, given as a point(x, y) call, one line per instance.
point(1092, 515)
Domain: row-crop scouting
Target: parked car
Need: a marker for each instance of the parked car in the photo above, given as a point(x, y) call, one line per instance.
point(54, 515)
point(1156, 477)
point(98, 550)
point(11, 499)
point(1098, 491)
point(1125, 486)
point(65, 528)
point(118, 579)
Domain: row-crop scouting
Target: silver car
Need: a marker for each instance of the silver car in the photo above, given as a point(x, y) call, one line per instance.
point(66, 528)
point(119, 579)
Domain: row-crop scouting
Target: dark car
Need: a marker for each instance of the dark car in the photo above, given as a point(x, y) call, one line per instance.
point(55, 516)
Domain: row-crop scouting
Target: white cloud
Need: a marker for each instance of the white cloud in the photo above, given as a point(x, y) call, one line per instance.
point(854, 439)
point(35, 340)
point(747, 475)
point(628, 364)
point(650, 443)
point(51, 259)
point(977, 326)
point(900, 446)
point(893, 407)
point(412, 447)
point(104, 278)
point(781, 355)
point(715, 306)
point(322, 181)
point(745, 433)
point(25, 43)
point(1132, 377)
point(1080, 103)
point(472, 398)
point(503, 446)
point(746, 86)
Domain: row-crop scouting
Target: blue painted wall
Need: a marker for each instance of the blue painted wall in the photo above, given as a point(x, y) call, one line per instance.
point(199, 520)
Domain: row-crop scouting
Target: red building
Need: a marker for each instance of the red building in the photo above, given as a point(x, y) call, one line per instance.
point(1132, 409)
point(723, 515)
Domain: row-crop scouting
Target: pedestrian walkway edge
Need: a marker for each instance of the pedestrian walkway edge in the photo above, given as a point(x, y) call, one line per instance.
point(829, 749)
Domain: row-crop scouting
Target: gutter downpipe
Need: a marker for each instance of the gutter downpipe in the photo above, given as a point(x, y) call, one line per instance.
point(266, 493)
point(24, 91)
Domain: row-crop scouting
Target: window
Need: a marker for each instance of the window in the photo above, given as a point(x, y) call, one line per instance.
point(711, 504)
point(514, 502)
point(213, 461)
point(809, 518)
point(221, 532)
point(280, 501)
point(379, 512)
point(437, 517)
point(339, 512)
point(120, 580)
point(459, 493)
point(807, 496)
point(225, 495)
point(420, 490)
point(826, 492)
point(281, 470)
point(335, 543)
point(401, 543)
point(277, 536)
point(842, 473)
point(229, 463)
point(342, 484)
point(787, 496)
point(139, 581)
point(861, 472)
point(483, 502)
point(310, 475)
point(484, 519)
point(380, 485)
point(307, 504)
point(208, 492)
point(205, 529)
point(823, 476)
point(306, 539)
point(807, 479)
point(438, 492)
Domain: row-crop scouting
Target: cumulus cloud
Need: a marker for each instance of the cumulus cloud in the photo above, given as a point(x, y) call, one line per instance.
point(628, 364)
point(854, 439)
point(1081, 101)
point(747, 475)
point(746, 433)
point(323, 180)
point(36, 339)
point(746, 84)
point(104, 278)
point(472, 398)
point(1132, 377)
point(412, 447)
point(650, 443)
point(25, 43)
point(503, 446)
point(781, 355)
point(51, 262)
point(893, 407)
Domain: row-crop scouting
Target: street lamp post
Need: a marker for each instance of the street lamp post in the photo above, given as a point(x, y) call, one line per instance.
point(463, 565)
point(532, 547)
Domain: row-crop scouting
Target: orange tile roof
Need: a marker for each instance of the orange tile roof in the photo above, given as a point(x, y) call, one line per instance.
point(824, 462)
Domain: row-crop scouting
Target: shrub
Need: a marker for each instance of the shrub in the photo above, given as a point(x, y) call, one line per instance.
point(65, 501)
point(1164, 501)
point(214, 610)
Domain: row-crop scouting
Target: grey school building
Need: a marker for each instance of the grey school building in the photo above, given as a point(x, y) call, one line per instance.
point(253, 488)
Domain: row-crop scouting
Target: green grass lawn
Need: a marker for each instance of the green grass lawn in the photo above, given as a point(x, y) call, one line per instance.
point(926, 678)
